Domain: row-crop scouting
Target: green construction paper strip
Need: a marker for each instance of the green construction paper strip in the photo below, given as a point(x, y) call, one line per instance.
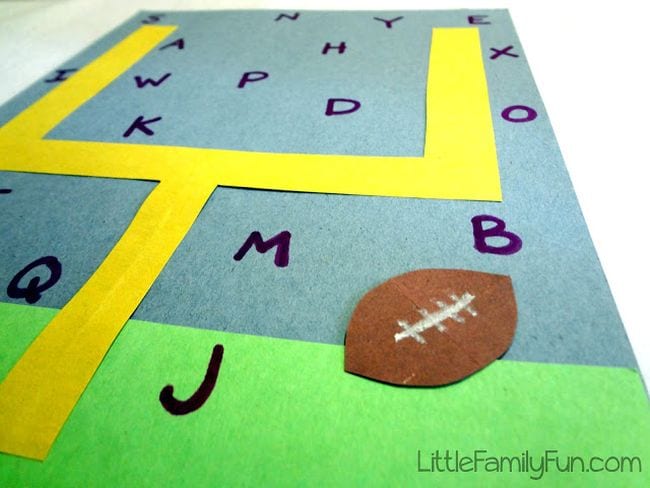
point(285, 412)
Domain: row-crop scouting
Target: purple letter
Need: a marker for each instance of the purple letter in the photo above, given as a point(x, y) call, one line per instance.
point(152, 19)
point(477, 20)
point(389, 23)
point(499, 230)
point(60, 75)
point(141, 125)
point(290, 17)
point(140, 83)
point(249, 77)
point(341, 48)
point(505, 50)
point(280, 240)
point(179, 43)
point(200, 396)
point(530, 113)
point(332, 101)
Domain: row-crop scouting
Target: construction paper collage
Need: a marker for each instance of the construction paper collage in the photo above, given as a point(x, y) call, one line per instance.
point(300, 245)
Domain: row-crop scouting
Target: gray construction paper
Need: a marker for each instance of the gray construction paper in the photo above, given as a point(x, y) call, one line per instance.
point(341, 246)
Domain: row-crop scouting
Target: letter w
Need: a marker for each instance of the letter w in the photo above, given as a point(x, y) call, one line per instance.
point(280, 240)
point(140, 83)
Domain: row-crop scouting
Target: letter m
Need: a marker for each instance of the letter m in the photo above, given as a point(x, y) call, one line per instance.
point(281, 241)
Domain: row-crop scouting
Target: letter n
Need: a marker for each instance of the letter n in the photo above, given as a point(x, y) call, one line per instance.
point(287, 16)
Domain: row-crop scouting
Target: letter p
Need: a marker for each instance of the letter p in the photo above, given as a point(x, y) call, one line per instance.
point(251, 76)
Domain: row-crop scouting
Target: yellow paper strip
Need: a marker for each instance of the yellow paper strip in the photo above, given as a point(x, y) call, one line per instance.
point(37, 120)
point(460, 159)
point(459, 134)
point(353, 175)
point(42, 388)
point(40, 391)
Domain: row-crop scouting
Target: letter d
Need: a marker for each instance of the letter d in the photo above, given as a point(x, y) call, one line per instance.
point(332, 110)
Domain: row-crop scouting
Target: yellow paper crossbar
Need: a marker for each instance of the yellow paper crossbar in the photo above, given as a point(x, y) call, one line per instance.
point(41, 390)
point(460, 160)
point(352, 175)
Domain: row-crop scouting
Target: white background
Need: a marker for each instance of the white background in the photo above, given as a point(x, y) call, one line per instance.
point(591, 65)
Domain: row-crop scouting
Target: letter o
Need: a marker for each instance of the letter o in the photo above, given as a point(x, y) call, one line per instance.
point(531, 114)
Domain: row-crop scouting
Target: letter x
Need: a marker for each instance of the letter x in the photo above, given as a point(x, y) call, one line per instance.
point(505, 50)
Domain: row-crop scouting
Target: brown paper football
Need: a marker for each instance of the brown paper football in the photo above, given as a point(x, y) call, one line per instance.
point(431, 327)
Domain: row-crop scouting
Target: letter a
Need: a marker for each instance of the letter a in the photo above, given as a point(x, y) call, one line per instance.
point(179, 43)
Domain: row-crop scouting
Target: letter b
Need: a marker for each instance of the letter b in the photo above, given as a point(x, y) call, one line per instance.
point(499, 230)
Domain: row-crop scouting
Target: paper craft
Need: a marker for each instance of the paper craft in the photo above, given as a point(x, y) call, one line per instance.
point(431, 327)
point(40, 391)
point(253, 174)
